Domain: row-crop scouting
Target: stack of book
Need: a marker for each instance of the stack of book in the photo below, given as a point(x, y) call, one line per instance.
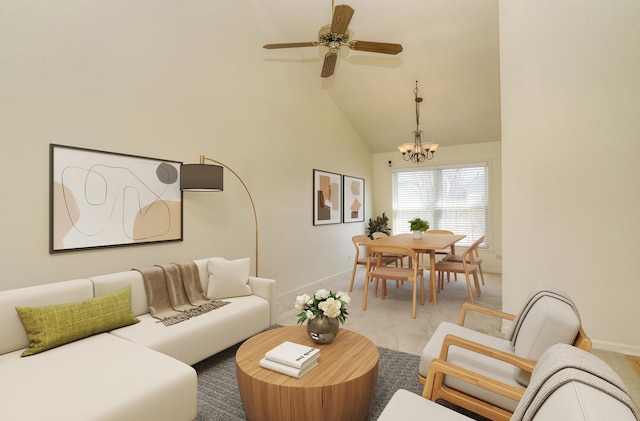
point(290, 358)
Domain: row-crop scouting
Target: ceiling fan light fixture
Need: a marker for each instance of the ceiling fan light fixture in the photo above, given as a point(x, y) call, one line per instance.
point(336, 35)
point(416, 152)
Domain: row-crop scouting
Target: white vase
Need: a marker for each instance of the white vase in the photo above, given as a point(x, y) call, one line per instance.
point(417, 235)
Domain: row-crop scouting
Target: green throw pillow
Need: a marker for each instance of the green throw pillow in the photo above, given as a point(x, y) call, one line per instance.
point(51, 326)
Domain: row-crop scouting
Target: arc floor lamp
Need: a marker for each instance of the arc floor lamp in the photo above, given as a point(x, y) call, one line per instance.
point(209, 178)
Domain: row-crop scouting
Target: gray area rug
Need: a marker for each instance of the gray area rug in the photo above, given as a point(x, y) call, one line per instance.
point(219, 398)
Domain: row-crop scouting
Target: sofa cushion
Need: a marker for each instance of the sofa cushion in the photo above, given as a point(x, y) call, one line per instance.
point(405, 405)
point(97, 378)
point(228, 278)
point(200, 337)
point(51, 326)
point(13, 336)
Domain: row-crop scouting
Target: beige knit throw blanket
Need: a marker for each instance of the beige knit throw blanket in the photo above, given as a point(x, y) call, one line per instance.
point(174, 292)
point(564, 363)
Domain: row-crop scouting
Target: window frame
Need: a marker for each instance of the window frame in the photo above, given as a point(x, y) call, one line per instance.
point(436, 173)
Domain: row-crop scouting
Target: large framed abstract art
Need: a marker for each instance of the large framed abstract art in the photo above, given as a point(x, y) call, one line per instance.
point(106, 199)
point(353, 199)
point(327, 198)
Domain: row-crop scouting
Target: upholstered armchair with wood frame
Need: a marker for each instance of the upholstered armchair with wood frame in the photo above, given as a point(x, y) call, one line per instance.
point(548, 317)
point(567, 384)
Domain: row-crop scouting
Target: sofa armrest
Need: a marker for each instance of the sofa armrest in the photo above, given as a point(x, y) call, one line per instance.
point(265, 288)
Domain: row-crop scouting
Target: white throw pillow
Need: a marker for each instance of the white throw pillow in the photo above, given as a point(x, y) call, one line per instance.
point(228, 278)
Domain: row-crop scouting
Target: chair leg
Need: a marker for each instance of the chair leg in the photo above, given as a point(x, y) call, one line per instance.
point(466, 275)
point(366, 291)
point(475, 281)
point(353, 276)
point(481, 274)
point(413, 307)
point(422, 288)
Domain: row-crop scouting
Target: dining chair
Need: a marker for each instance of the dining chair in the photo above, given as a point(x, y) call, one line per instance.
point(547, 317)
point(445, 252)
point(379, 270)
point(358, 241)
point(376, 235)
point(477, 260)
point(466, 266)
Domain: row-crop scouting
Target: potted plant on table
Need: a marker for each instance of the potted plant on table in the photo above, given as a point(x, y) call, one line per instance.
point(418, 226)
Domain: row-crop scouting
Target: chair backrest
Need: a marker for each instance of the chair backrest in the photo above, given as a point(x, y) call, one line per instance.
point(545, 320)
point(375, 251)
point(438, 232)
point(469, 255)
point(378, 234)
point(570, 384)
point(357, 242)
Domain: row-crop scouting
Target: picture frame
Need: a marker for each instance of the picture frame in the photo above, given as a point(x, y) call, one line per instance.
point(327, 197)
point(103, 199)
point(352, 199)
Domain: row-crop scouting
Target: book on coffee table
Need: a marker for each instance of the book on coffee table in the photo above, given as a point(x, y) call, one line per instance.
point(286, 369)
point(293, 354)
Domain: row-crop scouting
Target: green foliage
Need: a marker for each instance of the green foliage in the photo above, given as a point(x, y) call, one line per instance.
point(418, 224)
point(380, 224)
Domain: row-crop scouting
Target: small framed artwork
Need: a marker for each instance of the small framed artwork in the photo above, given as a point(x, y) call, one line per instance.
point(353, 199)
point(327, 196)
point(105, 199)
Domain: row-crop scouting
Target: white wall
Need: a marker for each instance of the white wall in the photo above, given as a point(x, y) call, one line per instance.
point(169, 80)
point(570, 82)
point(461, 154)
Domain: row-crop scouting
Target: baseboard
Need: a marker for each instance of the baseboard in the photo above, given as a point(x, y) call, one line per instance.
point(617, 347)
point(311, 287)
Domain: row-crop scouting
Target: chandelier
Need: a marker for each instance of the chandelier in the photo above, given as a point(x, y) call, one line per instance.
point(417, 152)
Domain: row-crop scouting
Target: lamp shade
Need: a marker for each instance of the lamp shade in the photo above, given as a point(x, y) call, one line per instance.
point(201, 177)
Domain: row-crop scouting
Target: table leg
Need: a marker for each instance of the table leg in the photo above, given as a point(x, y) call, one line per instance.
point(432, 276)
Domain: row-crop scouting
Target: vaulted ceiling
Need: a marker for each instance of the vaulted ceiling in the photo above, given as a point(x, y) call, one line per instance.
point(450, 48)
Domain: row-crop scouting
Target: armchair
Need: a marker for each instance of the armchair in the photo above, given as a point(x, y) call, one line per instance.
point(547, 318)
point(567, 384)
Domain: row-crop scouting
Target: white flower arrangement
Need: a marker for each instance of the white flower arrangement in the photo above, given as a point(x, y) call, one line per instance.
point(323, 302)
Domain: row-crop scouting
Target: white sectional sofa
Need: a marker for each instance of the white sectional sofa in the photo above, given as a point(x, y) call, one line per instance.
point(140, 371)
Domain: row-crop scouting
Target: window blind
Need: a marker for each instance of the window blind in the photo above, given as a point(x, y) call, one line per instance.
point(453, 198)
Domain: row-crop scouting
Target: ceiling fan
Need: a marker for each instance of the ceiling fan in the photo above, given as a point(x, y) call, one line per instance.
point(335, 36)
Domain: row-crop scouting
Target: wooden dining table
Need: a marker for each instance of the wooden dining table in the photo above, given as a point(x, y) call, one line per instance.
point(429, 243)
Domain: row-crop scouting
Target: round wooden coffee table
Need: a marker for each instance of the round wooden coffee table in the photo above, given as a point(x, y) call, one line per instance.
point(340, 387)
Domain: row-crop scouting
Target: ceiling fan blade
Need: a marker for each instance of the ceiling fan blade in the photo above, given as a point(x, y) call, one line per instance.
point(342, 15)
point(375, 47)
point(329, 65)
point(291, 45)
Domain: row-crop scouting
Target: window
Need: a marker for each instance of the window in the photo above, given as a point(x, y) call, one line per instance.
point(452, 198)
